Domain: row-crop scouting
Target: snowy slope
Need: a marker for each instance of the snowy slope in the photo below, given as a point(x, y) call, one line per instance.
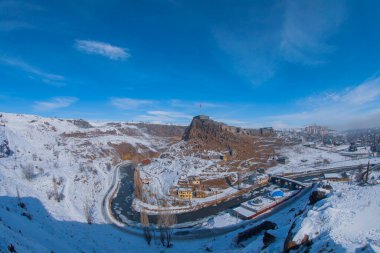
point(302, 158)
point(47, 148)
point(347, 220)
point(80, 162)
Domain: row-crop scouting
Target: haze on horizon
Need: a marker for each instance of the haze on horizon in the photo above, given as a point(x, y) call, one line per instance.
point(248, 63)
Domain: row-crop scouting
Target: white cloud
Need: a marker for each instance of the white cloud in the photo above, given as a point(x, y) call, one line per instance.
point(129, 103)
point(102, 48)
point(307, 26)
point(16, 15)
point(355, 107)
point(171, 114)
point(54, 103)
point(46, 77)
point(361, 94)
point(232, 121)
point(10, 25)
point(194, 105)
point(293, 31)
point(364, 93)
point(165, 117)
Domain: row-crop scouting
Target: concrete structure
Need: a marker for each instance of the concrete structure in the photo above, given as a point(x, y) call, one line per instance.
point(202, 117)
point(335, 177)
point(352, 147)
point(287, 182)
point(266, 130)
point(282, 159)
point(314, 129)
point(259, 205)
point(200, 194)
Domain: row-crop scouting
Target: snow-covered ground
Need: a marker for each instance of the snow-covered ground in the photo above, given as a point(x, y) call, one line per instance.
point(165, 172)
point(177, 164)
point(302, 158)
point(80, 160)
point(55, 158)
point(347, 220)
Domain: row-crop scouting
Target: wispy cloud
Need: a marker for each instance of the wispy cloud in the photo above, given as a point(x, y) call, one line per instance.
point(233, 122)
point(165, 117)
point(364, 93)
point(102, 48)
point(170, 114)
point(130, 103)
point(353, 107)
point(357, 96)
point(306, 28)
point(10, 25)
point(293, 31)
point(252, 56)
point(194, 105)
point(44, 76)
point(17, 15)
point(54, 103)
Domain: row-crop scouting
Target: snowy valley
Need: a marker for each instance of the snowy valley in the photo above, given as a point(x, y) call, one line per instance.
point(55, 175)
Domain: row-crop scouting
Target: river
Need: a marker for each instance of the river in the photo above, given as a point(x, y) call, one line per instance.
point(122, 203)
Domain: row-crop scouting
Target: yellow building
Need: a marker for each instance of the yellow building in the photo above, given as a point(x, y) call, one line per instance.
point(185, 193)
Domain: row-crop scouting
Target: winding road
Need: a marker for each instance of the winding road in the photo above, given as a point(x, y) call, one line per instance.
point(201, 232)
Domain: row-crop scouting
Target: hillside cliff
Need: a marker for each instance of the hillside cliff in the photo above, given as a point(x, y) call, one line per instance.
point(206, 134)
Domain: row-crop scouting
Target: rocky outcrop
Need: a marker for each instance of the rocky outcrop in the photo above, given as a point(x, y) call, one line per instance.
point(208, 130)
point(135, 153)
point(207, 134)
point(319, 193)
point(5, 151)
point(316, 196)
point(303, 246)
point(81, 123)
point(162, 130)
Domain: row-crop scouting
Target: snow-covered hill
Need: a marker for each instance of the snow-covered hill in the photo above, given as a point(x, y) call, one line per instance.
point(55, 159)
point(59, 171)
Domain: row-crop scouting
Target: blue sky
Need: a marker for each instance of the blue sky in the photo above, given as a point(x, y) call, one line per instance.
point(249, 63)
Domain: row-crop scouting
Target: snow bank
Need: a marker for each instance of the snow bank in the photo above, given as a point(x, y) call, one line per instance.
point(349, 219)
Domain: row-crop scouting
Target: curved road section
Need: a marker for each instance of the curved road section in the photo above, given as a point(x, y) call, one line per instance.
point(178, 233)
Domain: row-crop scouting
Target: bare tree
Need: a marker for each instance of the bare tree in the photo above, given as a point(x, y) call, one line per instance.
point(89, 208)
point(20, 203)
point(28, 171)
point(56, 183)
point(144, 219)
point(108, 166)
point(166, 221)
point(138, 186)
point(89, 211)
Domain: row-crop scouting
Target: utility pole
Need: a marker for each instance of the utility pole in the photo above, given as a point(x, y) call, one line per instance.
point(367, 174)
point(216, 198)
